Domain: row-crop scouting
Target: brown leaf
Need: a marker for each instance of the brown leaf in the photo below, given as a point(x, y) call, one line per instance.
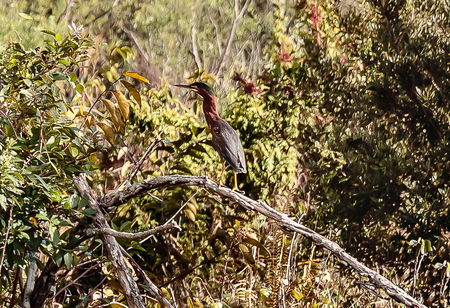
point(108, 131)
point(123, 104)
point(109, 105)
point(115, 113)
point(132, 91)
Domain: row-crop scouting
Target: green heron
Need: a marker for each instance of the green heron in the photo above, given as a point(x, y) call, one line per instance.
point(225, 140)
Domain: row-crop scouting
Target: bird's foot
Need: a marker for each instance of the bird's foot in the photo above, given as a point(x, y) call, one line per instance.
point(235, 188)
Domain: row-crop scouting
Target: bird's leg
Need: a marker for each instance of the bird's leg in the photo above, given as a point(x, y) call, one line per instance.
point(235, 181)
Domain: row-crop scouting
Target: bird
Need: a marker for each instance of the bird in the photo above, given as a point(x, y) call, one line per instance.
point(225, 140)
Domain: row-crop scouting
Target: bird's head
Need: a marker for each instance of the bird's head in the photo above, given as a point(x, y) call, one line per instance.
point(200, 88)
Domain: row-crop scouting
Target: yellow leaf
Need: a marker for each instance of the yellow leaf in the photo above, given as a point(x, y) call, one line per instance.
point(122, 152)
point(132, 91)
point(189, 214)
point(109, 105)
point(91, 121)
point(122, 128)
point(81, 109)
point(191, 304)
point(137, 77)
point(108, 131)
point(197, 303)
point(125, 168)
point(115, 113)
point(123, 104)
point(25, 16)
point(192, 208)
point(117, 305)
point(166, 294)
point(133, 272)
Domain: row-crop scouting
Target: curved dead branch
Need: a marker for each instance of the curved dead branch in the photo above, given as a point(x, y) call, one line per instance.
point(143, 188)
point(115, 252)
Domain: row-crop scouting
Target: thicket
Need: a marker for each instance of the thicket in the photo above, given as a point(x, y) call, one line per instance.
point(343, 118)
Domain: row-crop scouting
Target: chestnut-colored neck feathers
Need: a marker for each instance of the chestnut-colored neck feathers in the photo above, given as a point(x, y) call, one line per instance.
point(210, 108)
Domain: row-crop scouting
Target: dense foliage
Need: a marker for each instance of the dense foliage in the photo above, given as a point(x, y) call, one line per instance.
point(342, 111)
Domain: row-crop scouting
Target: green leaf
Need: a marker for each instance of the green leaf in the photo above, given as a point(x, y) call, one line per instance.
point(41, 216)
point(425, 248)
point(25, 16)
point(48, 32)
point(83, 202)
point(65, 62)
point(255, 243)
point(24, 235)
point(89, 212)
point(73, 201)
point(79, 88)
point(3, 201)
point(54, 234)
point(58, 76)
point(125, 226)
point(59, 258)
point(68, 259)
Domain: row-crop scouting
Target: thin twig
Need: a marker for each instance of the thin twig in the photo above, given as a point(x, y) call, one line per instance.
point(132, 174)
point(8, 228)
point(132, 236)
point(97, 100)
point(237, 16)
point(194, 47)
point(153, 288)
point(183, 205)
point(219, 46)
point(75, 280)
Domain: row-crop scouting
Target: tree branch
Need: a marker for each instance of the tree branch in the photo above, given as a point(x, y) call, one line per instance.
point(8, 228)
point(113, 249)
point(141, 189)
point(135, 40)
point(237, 16)
point(132, 174)
point(31, 277)
point(219, 45)
point(131, 236)
point(194, 48)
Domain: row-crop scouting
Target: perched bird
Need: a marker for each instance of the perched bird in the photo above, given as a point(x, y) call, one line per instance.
point(225, 140)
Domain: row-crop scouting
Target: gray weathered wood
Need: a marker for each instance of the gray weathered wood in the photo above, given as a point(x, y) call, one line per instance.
point(141, 189)
point(113, 249)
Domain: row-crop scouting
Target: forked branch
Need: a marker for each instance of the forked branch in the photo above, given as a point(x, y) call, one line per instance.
point(143, 188)
point(114, 251)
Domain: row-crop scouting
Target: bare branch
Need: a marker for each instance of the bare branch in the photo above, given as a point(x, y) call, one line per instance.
point(237, 16)
point(132, 174)
point(194, 48)
point(284, 221)
point(219, 45)
point(114, 251)
point(8, 228)
point(132, 236)
point(31, 277)
point(135, 40)
point(147, 280)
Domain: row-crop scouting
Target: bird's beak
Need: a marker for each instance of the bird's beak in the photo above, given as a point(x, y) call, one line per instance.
point(186, 86)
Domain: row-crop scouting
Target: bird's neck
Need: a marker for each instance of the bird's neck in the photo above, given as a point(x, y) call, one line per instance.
point(210, 110)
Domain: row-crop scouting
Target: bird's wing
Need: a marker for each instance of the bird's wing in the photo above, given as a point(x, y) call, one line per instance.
point(227, 143)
